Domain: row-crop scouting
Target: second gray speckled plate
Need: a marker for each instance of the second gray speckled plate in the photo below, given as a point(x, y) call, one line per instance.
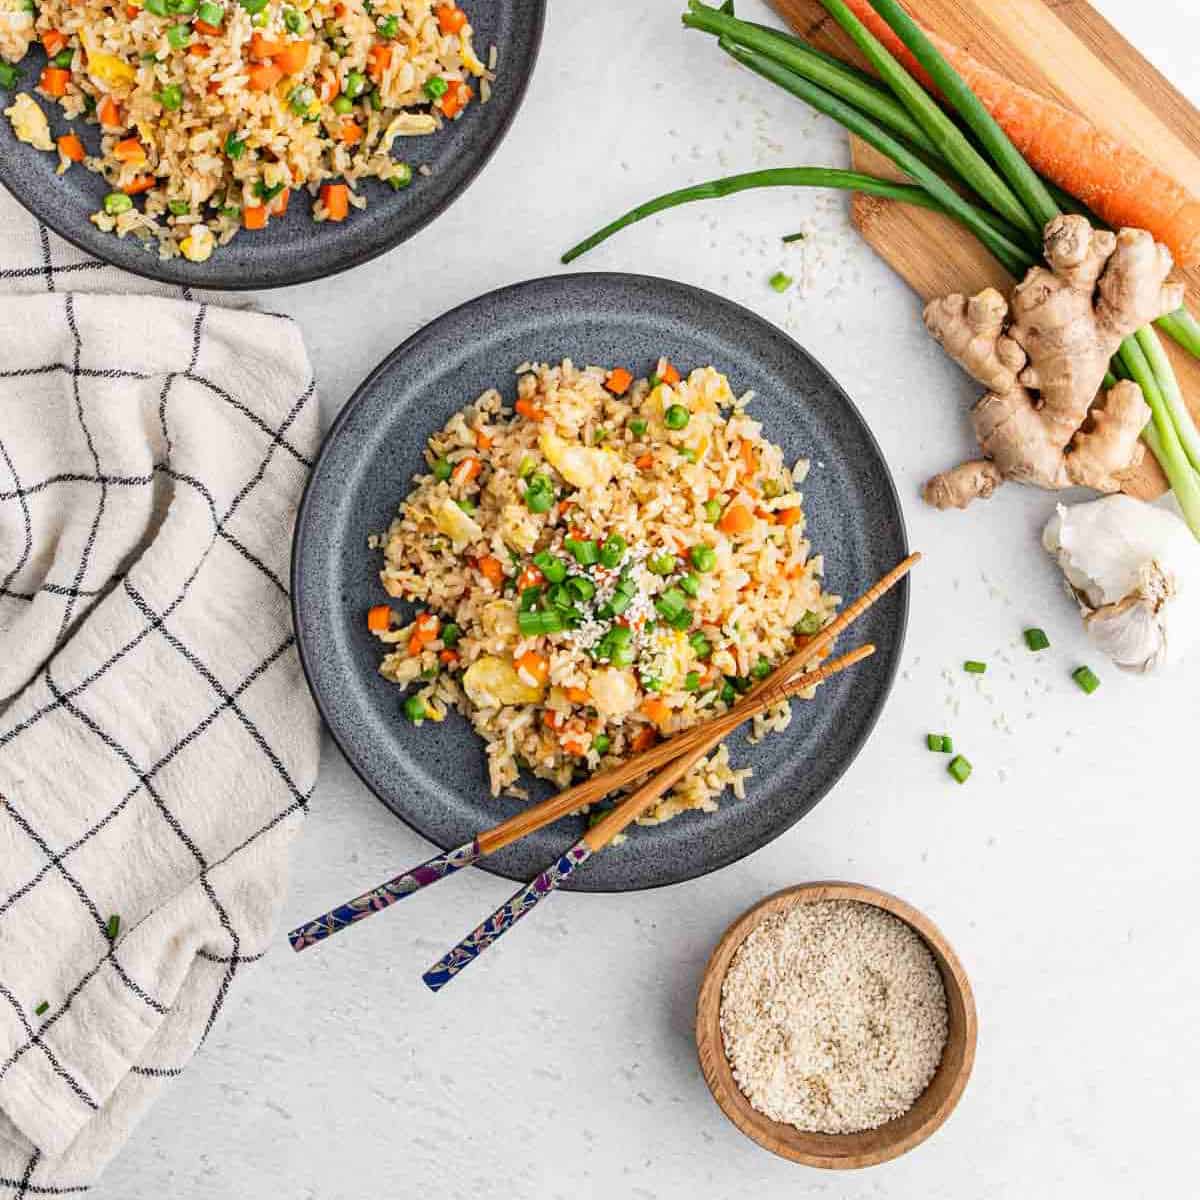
point(434, 777)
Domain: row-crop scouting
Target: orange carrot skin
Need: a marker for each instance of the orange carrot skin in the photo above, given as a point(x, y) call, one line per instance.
point(1118, 183)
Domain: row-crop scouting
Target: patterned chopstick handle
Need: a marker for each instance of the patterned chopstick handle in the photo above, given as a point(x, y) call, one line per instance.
point(384, 896)
point(504, 918)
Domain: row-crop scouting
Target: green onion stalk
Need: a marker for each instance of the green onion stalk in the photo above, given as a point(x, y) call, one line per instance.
point(1008, 206)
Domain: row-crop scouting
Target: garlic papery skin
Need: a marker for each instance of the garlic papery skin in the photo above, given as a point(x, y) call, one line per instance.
point(1134, 568)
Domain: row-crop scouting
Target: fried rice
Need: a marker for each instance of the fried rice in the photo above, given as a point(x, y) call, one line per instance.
point(213, 111)
point(603, 564)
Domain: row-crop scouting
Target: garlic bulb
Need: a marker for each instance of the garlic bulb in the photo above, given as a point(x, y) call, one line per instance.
point(1135, 571)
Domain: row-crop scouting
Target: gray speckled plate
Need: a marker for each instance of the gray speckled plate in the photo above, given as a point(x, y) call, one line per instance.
point(296, 249)
point(434, 777)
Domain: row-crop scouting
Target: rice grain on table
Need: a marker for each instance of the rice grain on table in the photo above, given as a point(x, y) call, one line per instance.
point(833, 1017)
point(655, 467)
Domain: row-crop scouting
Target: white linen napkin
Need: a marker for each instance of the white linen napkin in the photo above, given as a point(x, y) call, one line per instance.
point(157, 743)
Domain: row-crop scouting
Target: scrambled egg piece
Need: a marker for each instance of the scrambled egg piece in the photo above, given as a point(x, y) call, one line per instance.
point(198, 246)
point(580, 466)
point(469, 57)
point(29, 122)
point(457, 525)
point(107, 68)
point(493, 682)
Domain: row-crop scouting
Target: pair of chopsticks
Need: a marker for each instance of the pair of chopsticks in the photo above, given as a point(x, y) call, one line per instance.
point(670, 761)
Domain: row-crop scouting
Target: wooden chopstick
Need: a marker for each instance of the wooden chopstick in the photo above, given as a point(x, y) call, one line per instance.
point(596, 838)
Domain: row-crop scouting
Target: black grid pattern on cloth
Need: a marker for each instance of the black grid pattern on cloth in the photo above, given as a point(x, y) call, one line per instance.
point(69, 702)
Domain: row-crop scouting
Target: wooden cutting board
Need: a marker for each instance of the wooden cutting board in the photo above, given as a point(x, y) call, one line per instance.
point(1067, 51)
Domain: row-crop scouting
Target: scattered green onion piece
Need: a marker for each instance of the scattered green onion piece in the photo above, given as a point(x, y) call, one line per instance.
point(688, 453)
point(414, 709)
point(960, 768)
point(762, 668)
point(704, 557)
point(671, 603)
point(701, 646)
point(540, 499)
point(113, 927)
point(527, 468)
point(712, 511)
point(231, 210)
point(210, 13)
point(691, 681)
point(586, 553)
point(178, 208)
point(554, 569)
point(529, 598)
point(157, 7)
point(947, 744)
point(42, 1008)
point(974, 667)
point(582, 588)
point(612, 550)
point(691, 585)
point(64, 58)
point(728, 695)
point(1036, 639)
point(179, 36)
point(171, 97)
point(253, 6)
point(468, 506)
point(780, 282)
point(1086, 678)
point(293, 21)
point(442, 469)
point(450, 635)
point(677, 417)
point(533, 623)
point(235, 147)
point(934, 742)
point(809, 624)
point(9, 75)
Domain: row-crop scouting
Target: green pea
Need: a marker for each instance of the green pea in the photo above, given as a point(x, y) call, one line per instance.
point(293, 21)
point(388, 26)
point(234, 146)
point(9, 75)
point(637, 427)
point(116, 203)
point(762, 668)
point(171, 97)
point(712, 511)
point(178, 208)
point(343, 105)
point(253, 6)
point(356, 81)
point(661, 564)
point(442, 469)
point(414, 709)
point(179, 36)
point(602, 743)
point(677, 417)
point(691, 682)
point(704, 558)
point(401, 176)
point(436, 88)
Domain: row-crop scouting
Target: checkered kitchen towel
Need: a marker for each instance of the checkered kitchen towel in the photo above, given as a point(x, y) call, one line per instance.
point(157, 747)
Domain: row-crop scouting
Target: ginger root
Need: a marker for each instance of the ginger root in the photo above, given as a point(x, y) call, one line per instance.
point(1044, 362)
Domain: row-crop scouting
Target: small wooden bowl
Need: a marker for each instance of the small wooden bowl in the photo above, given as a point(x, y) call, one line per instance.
point(848, 1150)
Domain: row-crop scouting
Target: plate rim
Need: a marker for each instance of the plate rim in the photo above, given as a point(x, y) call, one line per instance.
point(901, 592)
point(352, 261)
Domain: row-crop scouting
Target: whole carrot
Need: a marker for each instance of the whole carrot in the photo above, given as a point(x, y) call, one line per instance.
point(1118, 183)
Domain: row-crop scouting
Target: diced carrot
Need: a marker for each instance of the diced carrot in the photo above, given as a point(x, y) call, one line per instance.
point(576, 744)
point(655, 710)
point(379, 58)
point(339, 11)
point(265, 47)
point(129, 150)
point(535, 666)
point(643, 739)
point(491, 569)
point(131, 11)
point(71, 148)
point(448, 657)
point(263, 76)
point(577, 695)
point(336, 199)
point(668, 374)
point(139, 184)
point(530, 577)
point(788, 516)
point(415, 646)
point(379, 618)
point(292, 58)
point(214, 86)
point(109, 113)
point(618, 381)
point(279, 205)
point(457, 97)
point(737, 518)
point(350, 134)
point(53, 40)
point(255, 217)
point(205, 27)
point(749, 461)
point(765, 514)
point(451, 18)
point(644, 462)
point(427, 626)
point(529, 410)
point(54, 81)
point(551, 719)
point(199, 49)
point(467, 470)
point(483, 439)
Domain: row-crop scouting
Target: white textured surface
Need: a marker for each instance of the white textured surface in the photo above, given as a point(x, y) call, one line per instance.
point(563, 1063)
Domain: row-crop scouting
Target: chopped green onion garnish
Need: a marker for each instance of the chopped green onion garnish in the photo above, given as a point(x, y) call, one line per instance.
point(586, 553)
point(436, 88)
point(113, 927)
point(42, 1008)
point(612, 550)
point(442, 469)
point(704, 558)
point(414, 709)
point(527, 468)
point(712, 511)
point(960, 768)
point(691, 681)
point(9, 75)
point(253, 6)
point(787, 239)
point(293, 21)
point(677, 417)
point(582, 588)
point(529, 598)
point(554, 569)
point(210, 13)
point(1036, 639)
point(171, 97)
point(972, 667)
point(934, 742)
point(157, 7)
point(539, 499)
point(691, 585)
point(179, 36)
point(688, 453)
point(671, 603)
point(637, 427)
point(762, 668)
point(467, 505)
point(64, 58)
point(728, 695)
point(533, 623)
point(781, 282)
point(808, 624)
point(450, 635)
point(178, 208)
point(1087, 679)
point(234, 146)
point(116, 203)
point(701, 646)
